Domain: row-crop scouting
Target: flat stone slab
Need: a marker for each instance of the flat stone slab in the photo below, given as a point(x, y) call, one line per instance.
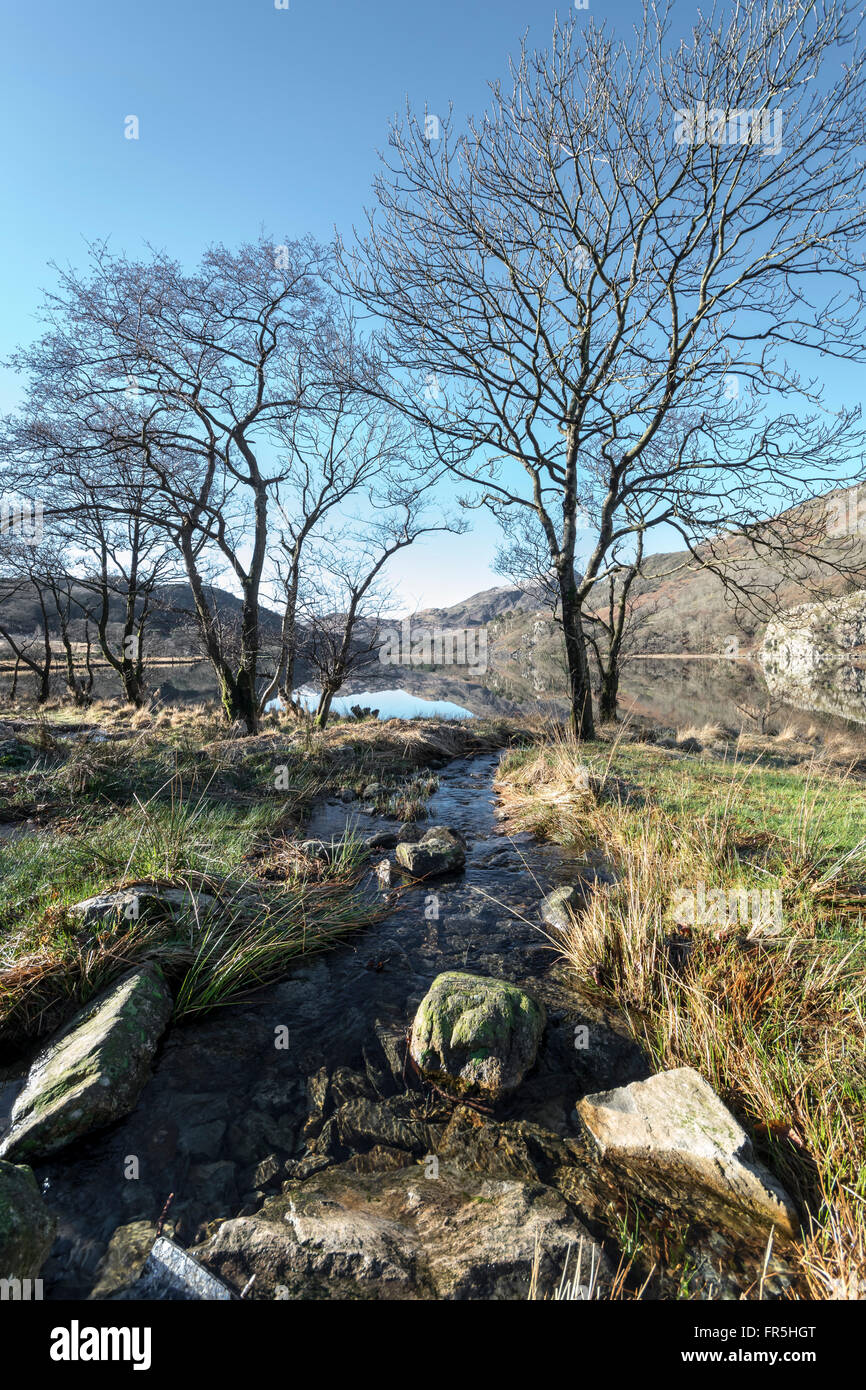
point(171, 1274)
point(680, 1145)
point(475, 1034)
point(429, 1231)
point(93, 1071)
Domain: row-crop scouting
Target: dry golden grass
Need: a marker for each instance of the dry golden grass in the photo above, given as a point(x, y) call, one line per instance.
point(777, 1024)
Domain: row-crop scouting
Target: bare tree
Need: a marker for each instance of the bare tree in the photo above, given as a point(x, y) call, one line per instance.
point(343, 618)
point(637, 245)
point(34, 651)
point(99, 499)
point(348, 447)
point(195, 377)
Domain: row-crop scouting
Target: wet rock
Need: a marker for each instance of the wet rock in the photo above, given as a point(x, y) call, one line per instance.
point(256, 1133)
point(26, 1225)
point(124, 1259)
point(675, 1139)
point(557, 907)
point(384, 839)
point(325, 851)
point(379, 1159)
point(269, 1171)
point(475, 1034)
point(213, 1184)
point(429, 1231)
point(439, 851)
point(142, 900)
point(93, 1072)
point(362, 1123)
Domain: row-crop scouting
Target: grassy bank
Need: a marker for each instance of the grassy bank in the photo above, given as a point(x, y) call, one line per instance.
point(114, 798)
point(767, 1004)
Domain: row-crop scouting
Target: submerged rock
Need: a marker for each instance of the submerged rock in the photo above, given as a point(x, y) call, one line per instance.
point(26, 1225)
point(439, 851)
point(475, 1034)
point(429, 1231)
point(93, 1072)
point(680, 1145)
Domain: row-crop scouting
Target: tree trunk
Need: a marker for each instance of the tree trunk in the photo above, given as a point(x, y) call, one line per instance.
point(323, 708)
point(607, 699)
point(579, 686)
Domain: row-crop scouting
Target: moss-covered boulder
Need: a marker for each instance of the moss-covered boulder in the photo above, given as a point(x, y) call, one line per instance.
point(439, 851)
point(476, 1035)
point(93, 1072)
point(26, 1225)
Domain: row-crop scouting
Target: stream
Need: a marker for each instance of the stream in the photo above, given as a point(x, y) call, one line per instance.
point(311, 1074)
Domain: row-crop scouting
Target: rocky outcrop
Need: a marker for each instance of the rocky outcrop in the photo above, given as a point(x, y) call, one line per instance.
point(675, 1140)
point(814, 656)
point(427, 1231)
point(26, 1225)
point(439, 851)
point(476, 1035)
point(93, 1072)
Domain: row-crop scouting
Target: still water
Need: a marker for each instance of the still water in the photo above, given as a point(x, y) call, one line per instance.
point(391, 704)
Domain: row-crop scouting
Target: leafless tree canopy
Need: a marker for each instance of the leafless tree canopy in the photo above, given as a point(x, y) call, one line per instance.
point(601, 294)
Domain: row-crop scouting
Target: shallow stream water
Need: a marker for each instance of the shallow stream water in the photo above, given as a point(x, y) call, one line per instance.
point(252, 1092)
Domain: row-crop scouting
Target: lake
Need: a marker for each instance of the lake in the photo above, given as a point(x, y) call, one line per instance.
point(391, 704)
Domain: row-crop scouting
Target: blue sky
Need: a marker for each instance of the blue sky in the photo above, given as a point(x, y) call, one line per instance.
point(250, 117)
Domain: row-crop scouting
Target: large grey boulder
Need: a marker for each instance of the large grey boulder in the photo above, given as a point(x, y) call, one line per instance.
point(429, 1231)
point(673, 1137)
point(439, 851)
point(476, 1035)
point(93, 1072)
point(26, 1225)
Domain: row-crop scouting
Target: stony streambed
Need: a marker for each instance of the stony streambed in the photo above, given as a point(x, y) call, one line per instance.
point(291, 1144)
